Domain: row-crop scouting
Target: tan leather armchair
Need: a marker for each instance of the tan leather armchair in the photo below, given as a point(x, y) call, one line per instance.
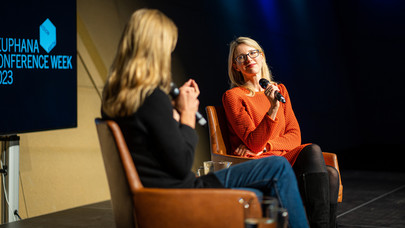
point(219, 141)
point(137, 206)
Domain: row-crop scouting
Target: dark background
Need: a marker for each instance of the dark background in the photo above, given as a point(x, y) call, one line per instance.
point(342, 62)
point(39, 99)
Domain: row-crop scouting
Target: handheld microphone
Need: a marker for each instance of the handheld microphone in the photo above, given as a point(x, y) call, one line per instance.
point(174, 92)
point(264, 82)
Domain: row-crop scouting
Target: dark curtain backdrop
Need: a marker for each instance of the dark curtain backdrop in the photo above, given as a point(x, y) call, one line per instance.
point(342, 62)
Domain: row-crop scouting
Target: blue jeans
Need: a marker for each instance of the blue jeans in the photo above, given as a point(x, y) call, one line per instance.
point(272, 176)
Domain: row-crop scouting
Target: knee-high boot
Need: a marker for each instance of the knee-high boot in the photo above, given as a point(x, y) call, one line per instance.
point(333, 211)
point(314, 189)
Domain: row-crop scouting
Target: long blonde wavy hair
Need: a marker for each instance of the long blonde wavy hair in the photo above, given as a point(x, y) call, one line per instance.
point(236, 77)
point(142, 62)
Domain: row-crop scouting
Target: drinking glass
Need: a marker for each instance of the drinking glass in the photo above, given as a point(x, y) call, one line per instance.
point(200, 171)
point(268, 216)
point(282, 218)
point(212, 166)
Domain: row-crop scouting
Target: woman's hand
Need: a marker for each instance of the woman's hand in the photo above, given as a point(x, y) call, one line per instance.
point(243, 151)
point(176, 114)
point(187, 102)
point(275, 104)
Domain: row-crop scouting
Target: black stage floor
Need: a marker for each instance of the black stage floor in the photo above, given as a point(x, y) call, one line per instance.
point(370, 200)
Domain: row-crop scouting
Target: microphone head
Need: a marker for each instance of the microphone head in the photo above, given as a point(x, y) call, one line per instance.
point(174, 91)
point(263, 83)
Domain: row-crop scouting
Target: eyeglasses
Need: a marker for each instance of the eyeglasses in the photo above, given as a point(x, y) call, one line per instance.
point(252, 54)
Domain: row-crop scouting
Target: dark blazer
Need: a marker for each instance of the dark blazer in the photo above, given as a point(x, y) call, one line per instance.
point(162, 149)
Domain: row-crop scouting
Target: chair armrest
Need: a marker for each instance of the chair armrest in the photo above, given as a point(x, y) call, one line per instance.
point(331, 160)
point(191, 207)
point(231, 158)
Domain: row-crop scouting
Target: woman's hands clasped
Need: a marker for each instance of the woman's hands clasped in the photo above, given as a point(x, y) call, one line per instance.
point(187, 102)
point(244, 151)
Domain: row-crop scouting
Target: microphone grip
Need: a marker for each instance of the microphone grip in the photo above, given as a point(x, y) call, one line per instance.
point(279, 97)
point(200, 119)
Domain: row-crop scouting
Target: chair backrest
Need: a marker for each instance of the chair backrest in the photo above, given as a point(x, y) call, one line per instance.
point(218, 129)
point(122, 176)
point(219, 136)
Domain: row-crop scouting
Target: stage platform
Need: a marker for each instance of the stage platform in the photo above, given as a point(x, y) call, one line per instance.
point(370, 200)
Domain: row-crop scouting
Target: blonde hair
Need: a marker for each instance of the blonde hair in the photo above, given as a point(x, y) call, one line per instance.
point(142, 62)
point(236, 77)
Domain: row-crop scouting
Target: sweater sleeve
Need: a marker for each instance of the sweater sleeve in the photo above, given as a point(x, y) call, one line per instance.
point(291, 137)
point(175, 143)
point(242, 123)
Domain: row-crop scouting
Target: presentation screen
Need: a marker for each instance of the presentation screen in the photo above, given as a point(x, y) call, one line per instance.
point(38, 67)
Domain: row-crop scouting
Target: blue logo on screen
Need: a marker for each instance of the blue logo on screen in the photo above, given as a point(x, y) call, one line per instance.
point(47, 35)
point(23, 53)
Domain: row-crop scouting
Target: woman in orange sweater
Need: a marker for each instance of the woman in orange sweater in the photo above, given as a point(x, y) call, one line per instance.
point(261, 126)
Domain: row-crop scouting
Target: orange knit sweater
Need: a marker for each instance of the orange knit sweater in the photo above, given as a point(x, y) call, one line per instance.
point(250, 125)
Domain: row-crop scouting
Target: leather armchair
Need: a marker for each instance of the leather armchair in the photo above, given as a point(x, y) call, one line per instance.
point(137, 206)
point(219, 141)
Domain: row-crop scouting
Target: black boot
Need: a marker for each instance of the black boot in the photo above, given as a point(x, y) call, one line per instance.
point(314, 189)
point(332, 216)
